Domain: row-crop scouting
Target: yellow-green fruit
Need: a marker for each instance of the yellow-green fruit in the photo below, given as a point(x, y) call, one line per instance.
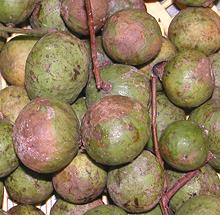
point(25, 210)
point(106, 210)
point(197, 3)
point(1, 193)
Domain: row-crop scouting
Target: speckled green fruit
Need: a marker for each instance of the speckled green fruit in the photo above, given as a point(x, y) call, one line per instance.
point(215, 60)
point(85, 185)
point(138, 186)
point(46, 135)
point(13, 59)
point(197, 3)
point(16, 11)
point(132, 36)
point(183, 145)
point(12, 100)
point(115, 130)
point(47, 15)
point(125, 80)
point(1, 193)
point(201, 205)
point(27, 187)
point(196, 28)
point(188, 79)
point(206, 182)
point(25, 210)
point(3, 212)
point(154, 211)
point(8, 158)
point(106, 210)
point(57, 67)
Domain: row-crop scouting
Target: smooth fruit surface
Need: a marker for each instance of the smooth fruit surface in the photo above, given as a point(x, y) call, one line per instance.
point(106, 210)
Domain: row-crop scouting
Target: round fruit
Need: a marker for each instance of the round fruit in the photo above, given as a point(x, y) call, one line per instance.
point(105, 210)
point(46, 135)
point(188, 80)
point(201, 205)
point(13, 59)
point(81, 181)
point(125, 80)
point(132, 36)
point(66, 208)
point(115, 130)
point(1, 193)
point(197, 3)
point(154, 211)
point(183, 145)
point(215, 60)
point(57, 67)
point(196, 28)
point(27, 187)
point(25, 210)
point(8, 158)
point(75, 16)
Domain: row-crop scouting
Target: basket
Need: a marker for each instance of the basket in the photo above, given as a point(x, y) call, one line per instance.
point(163, 11)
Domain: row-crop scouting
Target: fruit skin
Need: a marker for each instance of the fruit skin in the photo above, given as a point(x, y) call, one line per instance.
point(196, 28)
point(57, 67)
point(106, 210)
point(13, 59)
point(66, 208)
point(25, 210)
point(188, 79)
point(154, 211)
point(8, 158)
point(197, 3)
point(201, 205)
point(215, 60)
point(183, 145)
point(16, 11)
point(27, 187)
point(125, 80)
point(12, 100)
point(46, 135)
point(132, 36)
point(138, 186)
point(206, 183)
point(1, 193)
point(115, 130)
point(75, 16)
point(81, 181)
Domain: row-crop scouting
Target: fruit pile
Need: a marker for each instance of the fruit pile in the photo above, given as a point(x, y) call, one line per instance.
point(100, 103)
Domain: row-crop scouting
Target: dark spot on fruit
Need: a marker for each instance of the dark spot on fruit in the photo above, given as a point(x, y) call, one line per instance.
point(136, 202)
point(76, 73)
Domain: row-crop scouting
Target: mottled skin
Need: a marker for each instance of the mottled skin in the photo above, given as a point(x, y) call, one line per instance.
point(8, 158)
point(25, 210)
point(206, 183)
point(57, 67)
point(46, 135)
point(75, 16)
point(115, 130)
point(82, 181)
point(125, 80)
point(137, 187)
point(196, 3)
point(16, 11)
point(196, 28)
point(27, 187)
point(215, 60)
point(183, 145)
point(208, 117)
point(154, 211)
point(201, 205)
point(106, 210)
point(132, 36)
point(188, 79)
point(48, 15)
point(1, 193)
point(13, 59)
point(66, 208)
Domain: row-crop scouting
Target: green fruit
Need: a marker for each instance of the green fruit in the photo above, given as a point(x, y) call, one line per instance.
point(183, 145)
point(25, 210)
point(75, 16)
point(106, 210)
point(206, 182)
point(215, 60)
point(46, 135)
point(188, 80)
point(196, 28)
point(13, 59)
point(132, 36)
point(125, 80)
point(1, 193)
point(201, 205)
point(87, 182)
point(154, 211)
point(115, 130)
point(66, 208)
point(138, 186)
point(57, 67)
point(197, 3)
point(12, 101)
point(8, 158)
point(3, 212)
point(27, 187)
point(3, 36)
